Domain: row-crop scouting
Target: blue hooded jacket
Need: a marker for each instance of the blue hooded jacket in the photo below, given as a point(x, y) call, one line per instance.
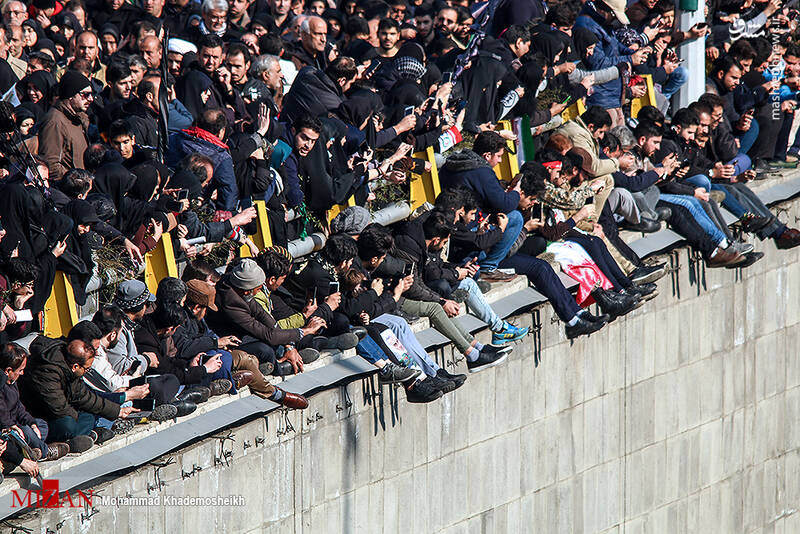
point(223, 180)
point(609, 52)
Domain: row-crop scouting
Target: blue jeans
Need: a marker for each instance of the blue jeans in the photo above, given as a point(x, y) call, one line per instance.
point(730, 202)
point(751, 200)
point(748, 138)
point(119, 398)
point(368, 349)
point(674, 82)
point(478, 305)
point(67, 427)
point(222, 372)
point(32, 439)
point(741, 163)
point(702, 218)
point(490, 260)
point(400, 328)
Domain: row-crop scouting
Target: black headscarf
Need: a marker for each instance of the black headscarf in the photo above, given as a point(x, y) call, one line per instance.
point(548, 44)
point(114, 181)
point(189, 88)
point(146, 183)
point(7, 77)
point(45, 83)
point(77, 260)
point(21, 214)
point(356, 110)
point(582, 39)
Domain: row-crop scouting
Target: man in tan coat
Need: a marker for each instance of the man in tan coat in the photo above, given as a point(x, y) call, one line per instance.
point(585, 132)
point(62, 134)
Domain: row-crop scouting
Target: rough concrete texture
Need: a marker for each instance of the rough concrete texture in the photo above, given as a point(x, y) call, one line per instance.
point(680, 417)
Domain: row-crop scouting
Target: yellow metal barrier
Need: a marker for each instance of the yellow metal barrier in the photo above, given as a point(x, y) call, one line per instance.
point(263, 236)
point(508, 166)
point(649, 98)
point(160, 263)
point(60, 311)
point(425, 187)
point(338, 208)
point(574, 110)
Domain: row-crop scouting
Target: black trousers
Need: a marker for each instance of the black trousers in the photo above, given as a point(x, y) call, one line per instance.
point(597, 250)
point(611, 230)
point(683, 223)
point(163, 388)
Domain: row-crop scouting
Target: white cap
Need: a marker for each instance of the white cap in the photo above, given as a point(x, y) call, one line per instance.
point(180, 46)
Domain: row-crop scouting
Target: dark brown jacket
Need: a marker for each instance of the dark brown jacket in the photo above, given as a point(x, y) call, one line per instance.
point(51, 390)
point(237, 317)
point(62, 139)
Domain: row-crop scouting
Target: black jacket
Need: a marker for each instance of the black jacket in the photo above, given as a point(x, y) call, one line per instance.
point(312, 92)
point(12, 412)
point(193, 337)
point(411, 240)
point(301, 286)
point(368, 301)
point(670, 185)
point(465, 244)
point(51, 390)
point(147, 340)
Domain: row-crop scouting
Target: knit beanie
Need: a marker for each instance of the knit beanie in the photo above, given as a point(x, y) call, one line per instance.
point(72, 83)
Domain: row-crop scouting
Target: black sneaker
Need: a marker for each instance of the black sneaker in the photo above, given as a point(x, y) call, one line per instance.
point(103, 435)
point(488, 357)
point(583, 328)
point(122, 426)
point(484, 286)
point(458, 380)
point(391, 373)
point(344, 341)
point(423, 391)
point(308, 355)
point(647, 274)
point(445, 385)
point(163, 412)
point(497, 350)
point(80, 444)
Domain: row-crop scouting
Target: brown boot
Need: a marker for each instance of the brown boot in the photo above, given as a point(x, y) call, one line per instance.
point(723, 258)
point(497, 276)
point(242, 378)
point(293, 400)
point(790, 238)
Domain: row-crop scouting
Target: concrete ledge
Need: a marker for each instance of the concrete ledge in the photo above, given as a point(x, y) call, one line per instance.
point(560, 387)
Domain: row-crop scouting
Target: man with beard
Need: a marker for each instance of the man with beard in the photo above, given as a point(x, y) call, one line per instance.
point(62, 134)
point(209, 85)
point(252, 90)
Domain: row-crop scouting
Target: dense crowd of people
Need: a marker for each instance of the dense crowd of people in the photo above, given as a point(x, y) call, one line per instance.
point(127, 123)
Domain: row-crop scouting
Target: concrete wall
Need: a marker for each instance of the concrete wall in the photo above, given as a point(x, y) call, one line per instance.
point(681, 417)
